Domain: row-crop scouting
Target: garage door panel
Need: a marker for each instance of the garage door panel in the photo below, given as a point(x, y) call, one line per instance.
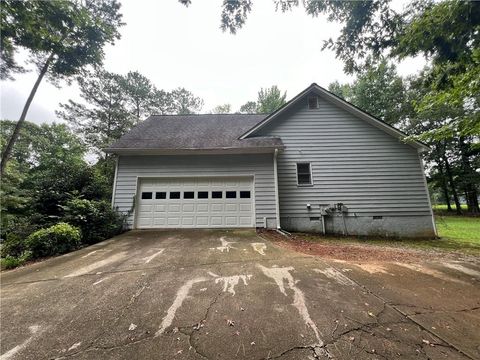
point(202, 207)
point(173, 221)
point(174, 208)
point(216, 220)
point(231, 220)
point(188, 208)
point(187, 220)
point(165, 211)
point(160, 221)
point(202, 221)
point(145, 208)
point(231, 207)
point(216, 207)
point(160, 208)
point(245, 207)
point(245, 220)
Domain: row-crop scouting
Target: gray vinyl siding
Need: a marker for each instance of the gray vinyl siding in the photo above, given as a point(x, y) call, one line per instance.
point(258, 165)
point(352, 162)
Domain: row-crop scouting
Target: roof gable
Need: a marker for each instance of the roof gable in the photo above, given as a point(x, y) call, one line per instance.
point(327, 95)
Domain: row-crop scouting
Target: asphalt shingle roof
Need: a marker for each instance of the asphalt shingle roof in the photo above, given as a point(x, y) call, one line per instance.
point(209, 131)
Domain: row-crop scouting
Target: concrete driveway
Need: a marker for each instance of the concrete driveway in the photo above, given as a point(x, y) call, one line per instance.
point(208, 294)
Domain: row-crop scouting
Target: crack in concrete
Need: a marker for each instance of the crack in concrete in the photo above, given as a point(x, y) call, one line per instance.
point(92, 347)
point(190, 330)
point(429, 331)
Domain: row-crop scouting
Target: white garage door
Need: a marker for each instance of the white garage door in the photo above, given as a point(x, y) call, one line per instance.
point(195, 203)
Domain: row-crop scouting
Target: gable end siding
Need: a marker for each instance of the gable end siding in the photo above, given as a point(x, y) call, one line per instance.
point(352, 162)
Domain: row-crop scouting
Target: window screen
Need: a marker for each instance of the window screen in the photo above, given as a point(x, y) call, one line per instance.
point(231, 194)
point(244, 194)
point(216, 194)
point(304, 174)
point(202, 195)
point(313, 102)
point(188, 194)
point(161, 195)
point(174, 194)
point(147, 195)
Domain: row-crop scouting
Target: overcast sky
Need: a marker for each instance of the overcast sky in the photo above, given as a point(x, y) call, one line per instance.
point(177, 46)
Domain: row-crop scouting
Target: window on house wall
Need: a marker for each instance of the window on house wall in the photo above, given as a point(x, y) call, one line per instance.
point(313, 102)
point(304, 174)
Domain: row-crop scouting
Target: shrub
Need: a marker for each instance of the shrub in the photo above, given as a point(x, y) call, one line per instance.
point(10, 262)
point(57, 239)
point(96, 219)
point(12, 246)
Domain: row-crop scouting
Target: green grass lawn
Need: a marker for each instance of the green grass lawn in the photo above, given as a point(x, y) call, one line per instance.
point(443, 207)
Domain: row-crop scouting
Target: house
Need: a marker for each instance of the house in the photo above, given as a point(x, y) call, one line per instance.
point(317, 164)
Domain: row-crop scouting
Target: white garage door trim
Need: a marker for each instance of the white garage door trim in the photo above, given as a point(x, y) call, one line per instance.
point(160, 209)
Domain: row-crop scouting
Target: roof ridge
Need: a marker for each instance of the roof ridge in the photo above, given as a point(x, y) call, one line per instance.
point(230, 114)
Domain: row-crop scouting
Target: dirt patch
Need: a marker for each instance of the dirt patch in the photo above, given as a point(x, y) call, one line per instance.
point(334, 249)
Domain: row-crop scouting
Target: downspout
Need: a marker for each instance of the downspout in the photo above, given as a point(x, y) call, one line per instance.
point(115, 181)
point(275, 175)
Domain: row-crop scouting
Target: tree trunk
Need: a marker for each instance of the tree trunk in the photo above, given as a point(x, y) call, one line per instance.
point(471, 194)
point(444, 185)
point(452, 185)
point(16, 132)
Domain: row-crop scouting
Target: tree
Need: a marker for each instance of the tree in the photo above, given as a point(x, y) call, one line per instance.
point(184, 102)
point(44, 153)
point(62, 38)
point(270, 99)
point(379, 90)
point(222, 109)
point(250, 107)
point(139, 93)
point(103, 117)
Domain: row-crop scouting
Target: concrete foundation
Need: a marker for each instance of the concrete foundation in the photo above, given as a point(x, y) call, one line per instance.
point(384, 226)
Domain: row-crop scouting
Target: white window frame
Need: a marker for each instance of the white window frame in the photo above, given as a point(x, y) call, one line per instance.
point(316, 101)
point(311, 173)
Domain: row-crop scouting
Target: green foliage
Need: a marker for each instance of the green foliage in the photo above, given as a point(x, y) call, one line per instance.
point(270, 99)
point(112, 104)
point(104, 117)
point(96, 219)
point(184, 102)
point(379, 90)
point(222, 109)
point(57, 239)
point(72, 32)
point(11, 262)
point(13, 245)
point(250, 107)
point(139, 90)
